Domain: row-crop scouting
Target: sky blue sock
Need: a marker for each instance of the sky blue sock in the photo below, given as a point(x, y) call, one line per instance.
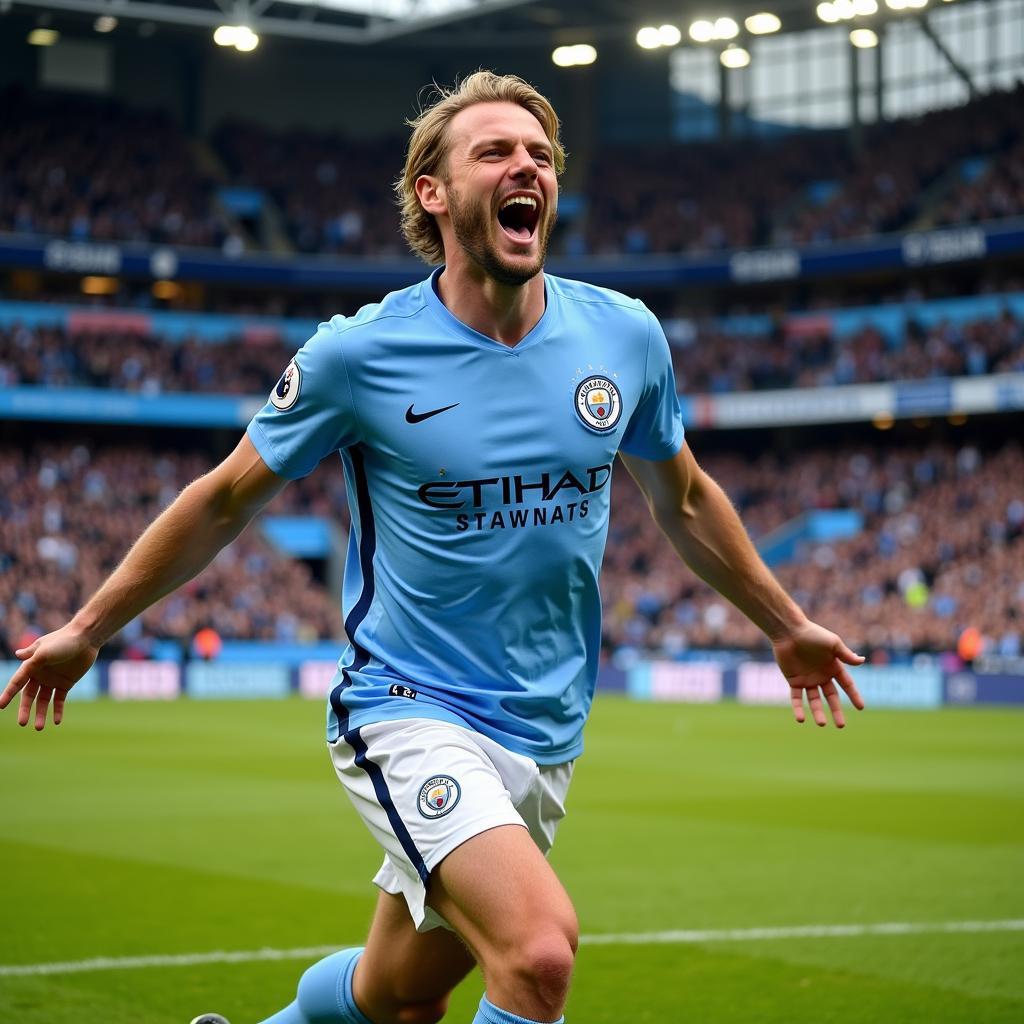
point(325, 994)
point(491, 1014)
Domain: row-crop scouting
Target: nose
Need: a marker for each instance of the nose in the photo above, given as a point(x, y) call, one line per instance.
point(522, 164)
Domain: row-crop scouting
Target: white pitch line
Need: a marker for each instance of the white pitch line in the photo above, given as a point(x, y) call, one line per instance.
point(810, 931)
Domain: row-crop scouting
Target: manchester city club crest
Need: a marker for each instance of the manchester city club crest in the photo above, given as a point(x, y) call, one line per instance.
point(438, 796)
point(598, 403)
point(286, 390)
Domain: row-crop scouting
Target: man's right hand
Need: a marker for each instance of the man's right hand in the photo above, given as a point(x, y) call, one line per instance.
point(51, 666)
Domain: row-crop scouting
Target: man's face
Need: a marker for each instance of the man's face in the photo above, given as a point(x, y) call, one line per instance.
point(501, 189)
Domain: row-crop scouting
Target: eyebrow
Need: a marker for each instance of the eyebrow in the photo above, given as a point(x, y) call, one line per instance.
point(489, 143)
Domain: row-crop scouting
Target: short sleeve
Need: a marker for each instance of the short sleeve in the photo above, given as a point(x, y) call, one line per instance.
point(655, 430)
point(310, 412)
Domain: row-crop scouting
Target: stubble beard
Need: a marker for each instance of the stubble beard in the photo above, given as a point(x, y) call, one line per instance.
point(471, 224)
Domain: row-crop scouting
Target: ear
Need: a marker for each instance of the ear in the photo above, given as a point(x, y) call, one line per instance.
point(431, 193)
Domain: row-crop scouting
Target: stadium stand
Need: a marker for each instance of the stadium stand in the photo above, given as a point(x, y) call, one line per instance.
point(88, 169)
point(942, 550)
point(68, 511)
point(93, 170)
point(715, 361)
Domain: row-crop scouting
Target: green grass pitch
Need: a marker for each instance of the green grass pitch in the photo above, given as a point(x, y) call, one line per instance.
point(190, 827)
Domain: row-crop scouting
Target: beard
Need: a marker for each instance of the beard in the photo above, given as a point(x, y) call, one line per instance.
point(472, 226)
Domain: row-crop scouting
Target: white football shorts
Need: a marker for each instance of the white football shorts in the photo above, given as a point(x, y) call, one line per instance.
point(424, 787)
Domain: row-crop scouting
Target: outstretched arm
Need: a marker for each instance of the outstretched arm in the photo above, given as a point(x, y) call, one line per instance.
point(697, 517)
point(178, 544)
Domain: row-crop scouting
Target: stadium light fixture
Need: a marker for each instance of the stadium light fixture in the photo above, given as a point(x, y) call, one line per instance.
point(865, 8)
point(702, 31)
point(726, 28)
point(734, 57)
point(846, 9)
point(649, 38)
point(897, 5)
point(827, 13)
point(105, 23)
point(241, 37)
point(917, 4)
point(43, 37)
point(762, 24)
point(574, 56)
point(863, 38)
point(669, 35)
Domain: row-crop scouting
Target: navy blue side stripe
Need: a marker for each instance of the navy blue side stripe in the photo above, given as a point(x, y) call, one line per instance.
point(380, 787)
point(367, 547)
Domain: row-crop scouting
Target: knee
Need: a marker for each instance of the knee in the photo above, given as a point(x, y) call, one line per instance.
point(543, 964)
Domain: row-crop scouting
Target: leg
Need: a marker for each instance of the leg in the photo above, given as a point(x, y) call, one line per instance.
point(405, 976)
point(401, 977)
point(501, 895)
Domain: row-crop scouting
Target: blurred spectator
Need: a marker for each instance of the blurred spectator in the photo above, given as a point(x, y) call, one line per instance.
point(91, 170)
point(942, 551)
point(68, 513)
point(714, 362)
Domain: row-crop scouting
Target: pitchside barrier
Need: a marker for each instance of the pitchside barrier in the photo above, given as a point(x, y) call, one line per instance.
point(747, 682)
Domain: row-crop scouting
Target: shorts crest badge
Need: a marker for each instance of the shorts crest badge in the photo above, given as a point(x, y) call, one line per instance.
point(598, 404)
point(286, 390)
point(438, 796)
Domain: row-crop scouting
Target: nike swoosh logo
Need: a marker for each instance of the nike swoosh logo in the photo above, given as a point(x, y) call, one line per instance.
point(419, 417)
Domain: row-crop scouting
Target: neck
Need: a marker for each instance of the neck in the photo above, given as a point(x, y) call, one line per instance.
point(504, 312)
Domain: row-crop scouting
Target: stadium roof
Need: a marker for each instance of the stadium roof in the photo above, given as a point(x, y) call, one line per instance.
point(440, 23)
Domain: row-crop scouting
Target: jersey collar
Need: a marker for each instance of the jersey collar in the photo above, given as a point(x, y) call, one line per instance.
point(540, 330)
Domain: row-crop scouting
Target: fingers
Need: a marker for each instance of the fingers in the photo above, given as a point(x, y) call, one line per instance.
point(17, 681)
point(817, 708)
point(843, 653)
point(796, 696)
point(58, 706)
point(845, 680)
point(42, 705)
point(832, 696)
point(28, 695)
point(24, 653)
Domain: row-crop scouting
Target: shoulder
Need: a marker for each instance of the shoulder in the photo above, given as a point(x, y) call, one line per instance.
point(372, 321)
point(582, 294)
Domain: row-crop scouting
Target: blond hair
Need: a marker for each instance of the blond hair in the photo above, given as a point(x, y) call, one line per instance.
point(428, 146)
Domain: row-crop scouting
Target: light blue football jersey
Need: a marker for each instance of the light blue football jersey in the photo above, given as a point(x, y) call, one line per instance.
point(478, 479)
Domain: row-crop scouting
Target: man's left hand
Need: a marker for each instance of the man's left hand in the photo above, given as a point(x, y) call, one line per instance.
point(813, 659)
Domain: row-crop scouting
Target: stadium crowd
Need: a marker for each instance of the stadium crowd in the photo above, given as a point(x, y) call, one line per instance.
point(68, 511)
point(93, 170)
point(713, 362)
point(942, 550)
point(812, 356)
point(335, 195)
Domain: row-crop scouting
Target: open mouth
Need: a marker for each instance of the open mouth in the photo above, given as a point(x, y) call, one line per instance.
point(518, 217)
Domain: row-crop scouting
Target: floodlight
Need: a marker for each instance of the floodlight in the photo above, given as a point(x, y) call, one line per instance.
point(863, 38)
point(827, 13)
point(897, 5)
point(245, 39)
point(225, 35)
point(574, 56)
point(105, 23)
point(726, 28)
point(648, 37)
point(846, 9)
point(43, 37)
point(735, 57)
point(762, 24)
point(863, 8)
point(702, 31)
point(669, 35)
